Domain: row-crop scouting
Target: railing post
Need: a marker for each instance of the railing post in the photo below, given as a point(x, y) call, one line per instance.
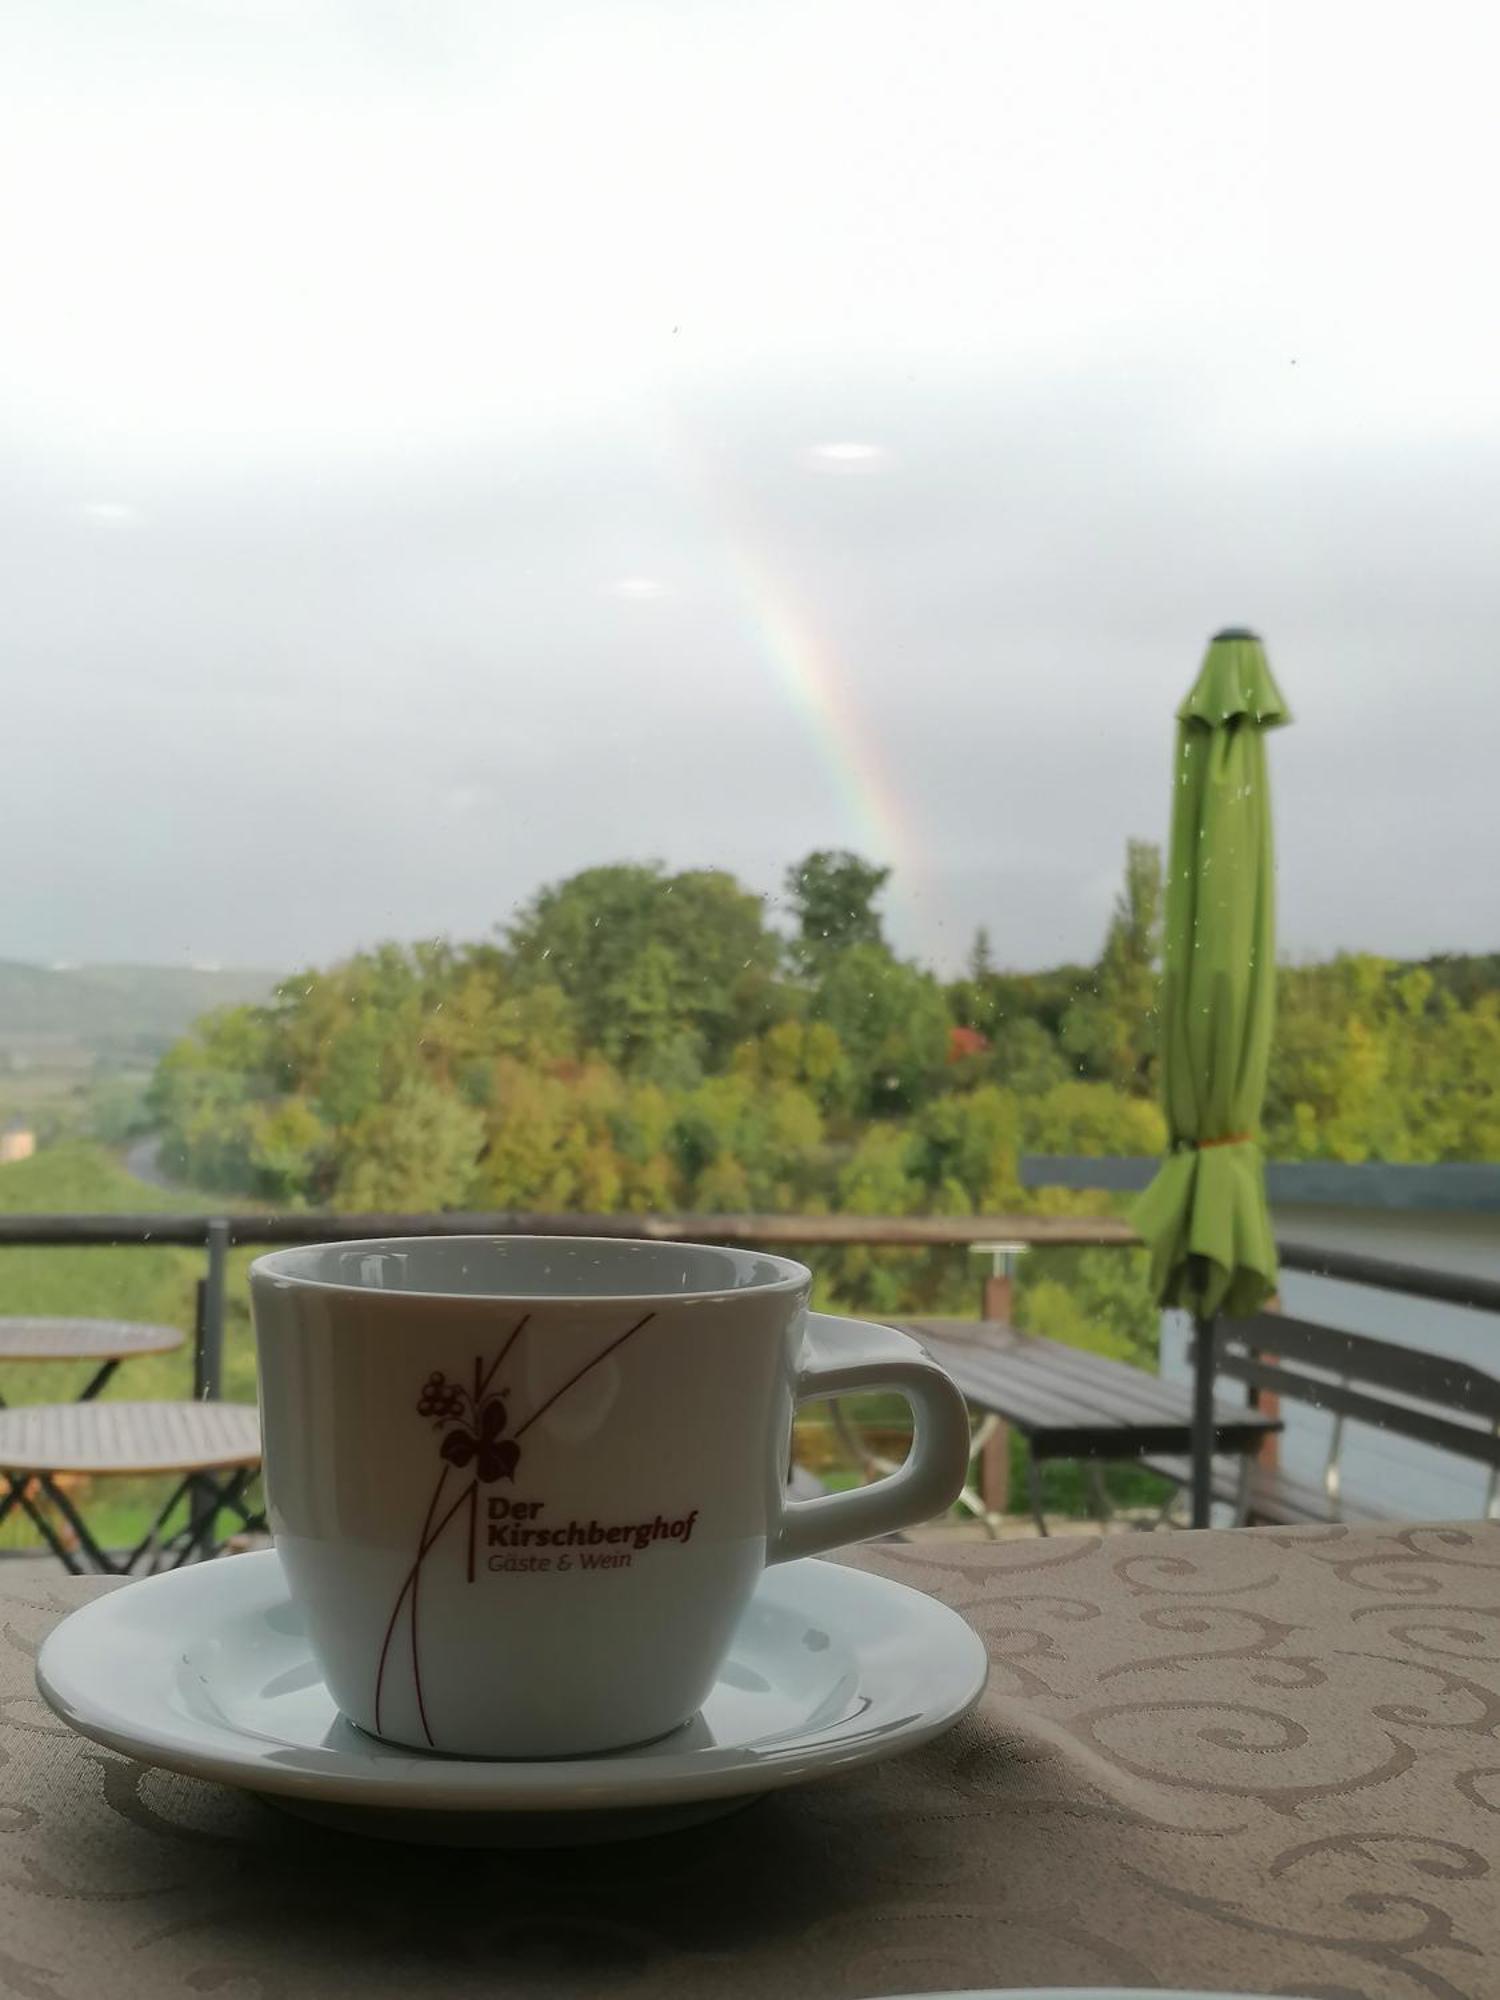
point(994, 1454)
point(1204, 1330)
point(1268, 1451)
point(208, 1351)
point(208, 1358)
point(998, 1300)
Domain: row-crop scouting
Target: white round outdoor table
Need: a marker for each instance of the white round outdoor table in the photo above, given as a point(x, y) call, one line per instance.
point(108, 1341)
point(211, 1449)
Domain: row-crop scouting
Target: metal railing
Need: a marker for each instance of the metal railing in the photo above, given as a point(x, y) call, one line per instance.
point(318, 1226)
point(1418, 1281)
point(216, 1235)
point(268, 1230)
point(1453, 1288)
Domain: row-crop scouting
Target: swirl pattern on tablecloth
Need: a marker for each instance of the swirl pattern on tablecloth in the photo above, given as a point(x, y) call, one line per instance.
point(1258, 1762)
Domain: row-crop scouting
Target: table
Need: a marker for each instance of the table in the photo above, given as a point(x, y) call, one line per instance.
point(1068, 1403)
point(109, 1341)
point(211, 1449)
point(1256, 1760)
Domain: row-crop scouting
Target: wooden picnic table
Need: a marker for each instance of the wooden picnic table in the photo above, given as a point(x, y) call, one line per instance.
point(1068, 1403)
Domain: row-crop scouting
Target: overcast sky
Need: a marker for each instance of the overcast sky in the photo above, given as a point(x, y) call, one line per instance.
point(445, 445)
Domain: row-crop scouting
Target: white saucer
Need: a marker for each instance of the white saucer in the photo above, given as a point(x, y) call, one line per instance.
point(207, 1670)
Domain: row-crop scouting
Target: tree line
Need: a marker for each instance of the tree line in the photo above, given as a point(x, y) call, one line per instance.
point(638, 1039)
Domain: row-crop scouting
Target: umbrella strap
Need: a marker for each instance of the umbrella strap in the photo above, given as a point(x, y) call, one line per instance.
point(1229, 1139)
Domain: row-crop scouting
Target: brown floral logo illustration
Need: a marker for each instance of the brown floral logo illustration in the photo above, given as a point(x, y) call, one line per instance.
point(475, 1430)
point(474, 1425)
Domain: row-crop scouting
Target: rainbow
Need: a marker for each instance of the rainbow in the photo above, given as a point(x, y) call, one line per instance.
point(818, 688)
point(816, 685)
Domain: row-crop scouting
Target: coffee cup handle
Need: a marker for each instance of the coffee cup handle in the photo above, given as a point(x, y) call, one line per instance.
point(840, 1356)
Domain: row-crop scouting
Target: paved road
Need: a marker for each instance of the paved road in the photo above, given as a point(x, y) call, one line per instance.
point(143, 1159)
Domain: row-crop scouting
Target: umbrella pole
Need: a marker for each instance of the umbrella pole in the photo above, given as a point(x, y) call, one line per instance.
point(1203, 1419)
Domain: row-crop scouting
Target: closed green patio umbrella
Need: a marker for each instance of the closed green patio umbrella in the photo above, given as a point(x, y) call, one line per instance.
point(1204, 1218)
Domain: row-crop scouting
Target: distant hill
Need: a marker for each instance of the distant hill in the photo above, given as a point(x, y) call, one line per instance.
point(114, 1010)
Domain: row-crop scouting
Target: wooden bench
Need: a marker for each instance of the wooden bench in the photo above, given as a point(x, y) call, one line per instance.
point(1428, 1398)
point(211, 1449)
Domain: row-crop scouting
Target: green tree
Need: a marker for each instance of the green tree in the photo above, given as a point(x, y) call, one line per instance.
point(204, 1092)
point(1329, 1093)
point(806, 1053)
point(1093, 1119)
point(832, 896)
point(965, 1149)
point(1112, 1028)
point(1378, 1061)
point(549, 1139)
point(665, 970)
point(1027, 1060)
point(892, 1021)
point(763, 1139)
point(294, 1101)
point(289, 1148)
point(1021, 1013)
point(418, 1150)
point(1471, 1042)
point(878, 1179)
point(1096, 1299)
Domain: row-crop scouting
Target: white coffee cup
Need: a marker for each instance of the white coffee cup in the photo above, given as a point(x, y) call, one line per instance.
point(523, 1487)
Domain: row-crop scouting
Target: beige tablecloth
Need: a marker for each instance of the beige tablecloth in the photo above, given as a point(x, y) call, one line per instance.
point(1259, 1761)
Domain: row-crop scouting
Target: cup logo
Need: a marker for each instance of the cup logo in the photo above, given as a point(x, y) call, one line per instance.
point(473, 1424)
point(475, 1431)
